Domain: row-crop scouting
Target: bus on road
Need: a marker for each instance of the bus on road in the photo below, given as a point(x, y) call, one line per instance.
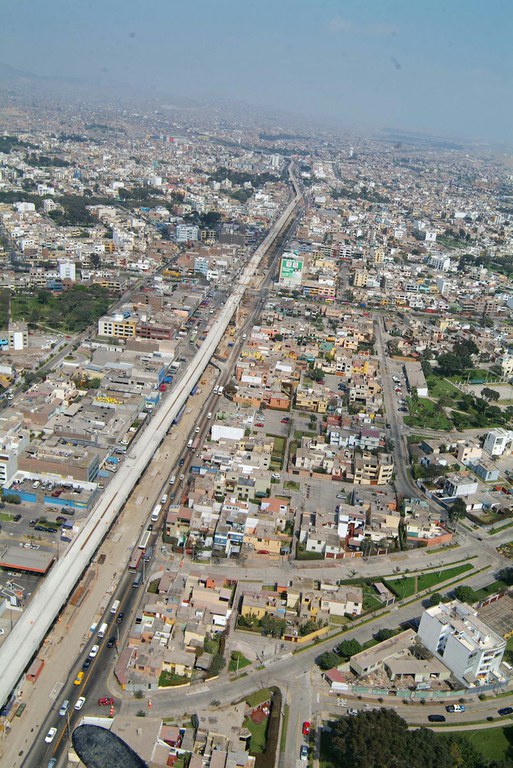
point(143, 543)
point(135, 560)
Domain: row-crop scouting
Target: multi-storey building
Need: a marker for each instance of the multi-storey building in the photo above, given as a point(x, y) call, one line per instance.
point(466, 645)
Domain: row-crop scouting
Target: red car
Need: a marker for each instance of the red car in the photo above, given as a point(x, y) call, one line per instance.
point(306, 728)
point(285, 420)
point(105, 702)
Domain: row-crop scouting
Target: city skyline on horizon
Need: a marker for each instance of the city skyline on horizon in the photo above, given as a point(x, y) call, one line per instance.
point(432, 71)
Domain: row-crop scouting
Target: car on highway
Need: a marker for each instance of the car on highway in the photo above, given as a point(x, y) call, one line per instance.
point(505, 711)
point(94, 651)
point(79, 678)
point(111, 642)
point(436, 718)
point(16, 517)
point(197, 430)
point(303, 752)
point(182, 477)
point(50, 735)
point(121, 616)
point(181, 462)
point(86, 664)
point(455, 708)
point(306, 728)
point(64, 707)
point(80, 702)
point(52, 762)
point(352, 712)
point(105, 701)
point(285, 420)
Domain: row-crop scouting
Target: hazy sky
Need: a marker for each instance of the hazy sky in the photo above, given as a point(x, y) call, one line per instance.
point(441, 67)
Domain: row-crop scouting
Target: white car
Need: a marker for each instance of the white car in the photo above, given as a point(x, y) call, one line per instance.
point(93, 652)
point(50, 735)
point(80, 702)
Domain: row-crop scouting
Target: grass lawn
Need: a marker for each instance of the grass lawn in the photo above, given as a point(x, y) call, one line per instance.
point(279, 445)
point(426, 414)
point(264, 694)
point(493, 743)
point(5, 517)
point(238, 661)
point(283, 737)
point(258, 732)
point(405, 587)
point(167, 679)
point(371, 602)
point(338, 621)
point(302, 554)
point(492, 531)
point(438, 386)
point(299, 433)
point(291, 485)
point(490, 589)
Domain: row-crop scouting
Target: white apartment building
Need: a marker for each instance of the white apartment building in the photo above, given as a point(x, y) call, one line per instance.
point(186, 232)
point(459, 484)
point(67, 270)
point(441, 263)
point(466, 645)
point(497, 441)
point(13, 440)
point(507, 365)
point(18, 336)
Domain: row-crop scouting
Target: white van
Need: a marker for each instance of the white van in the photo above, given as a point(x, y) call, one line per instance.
point(114, 607)
point(102, 630)
point(172, 480)
point(163, 499)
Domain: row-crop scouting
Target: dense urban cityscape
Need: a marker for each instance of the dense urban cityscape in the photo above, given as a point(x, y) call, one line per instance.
point(256, 427)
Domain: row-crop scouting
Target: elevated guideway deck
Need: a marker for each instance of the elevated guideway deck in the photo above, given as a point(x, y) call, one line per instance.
point(29, 632)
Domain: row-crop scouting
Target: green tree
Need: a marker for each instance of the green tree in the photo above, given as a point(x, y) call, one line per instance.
point(465, 593)
point(348, 648)
point(436, 598)
point(328, 660)
point(381, 739)
point(316, 374)
point(95, 260)
point(384, 634)
point(457, 510)
point(272, 626)
point(43, 297)
point(218, 663)
point(490, 394)
point(506, 575)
